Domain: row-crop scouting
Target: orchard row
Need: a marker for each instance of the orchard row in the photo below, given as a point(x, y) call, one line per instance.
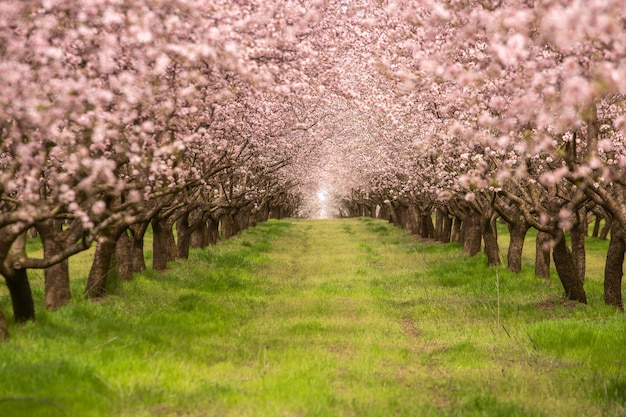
point(212, 115)
point(504, 109)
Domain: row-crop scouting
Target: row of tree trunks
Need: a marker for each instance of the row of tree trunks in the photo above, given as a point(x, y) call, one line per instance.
point(475, 228)
point(118, 254)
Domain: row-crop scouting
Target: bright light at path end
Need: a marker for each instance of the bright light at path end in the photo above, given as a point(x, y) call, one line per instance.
point(321, 195)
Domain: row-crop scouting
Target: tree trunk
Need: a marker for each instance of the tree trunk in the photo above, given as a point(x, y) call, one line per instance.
point(183, 233)
point(56, 277)
point(583, 217)
point(200, 237)
point(102, 268)
point(578, 246)
point(492, 250)
point(439, 215)
point(393, 218)
point(21, 296)
point(457, 230)
point(214, 232)
point(124, 257)
point(542, 255)
point(137, 234)
point(240, 220)
point(604, 233)
point(4, 330)
point(566, 269)
point(428, 228)
point(472, 233)
point(517, 233)
point(596, 225)
point(163, 244)
point(446, 232)
point(412, 219)
point(227, 226)
point(402, 212)
point(614, 268)
point(264, 213)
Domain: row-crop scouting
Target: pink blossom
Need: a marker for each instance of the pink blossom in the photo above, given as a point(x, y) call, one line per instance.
point(98, 207)
point(576, 91)
point(513, 51)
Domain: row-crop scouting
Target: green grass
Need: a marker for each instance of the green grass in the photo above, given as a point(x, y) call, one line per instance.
point(321, 318)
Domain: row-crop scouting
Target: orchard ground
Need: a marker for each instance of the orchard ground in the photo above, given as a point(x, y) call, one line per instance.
point(348, 317)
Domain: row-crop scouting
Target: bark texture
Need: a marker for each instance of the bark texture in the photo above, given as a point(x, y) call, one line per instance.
point(472, 234)
point(101, 269)
point(56, 277)
point(517, 234)
point(124, 257)
point(163, 244)
point(137, 233)
point(21, 296)
point(4, 330)
point(567, 271)
point(492, 250)
point(542, 255)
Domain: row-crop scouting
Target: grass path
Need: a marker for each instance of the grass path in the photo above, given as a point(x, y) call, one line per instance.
point(332, 343)
point(364, 321)
point(345, 317)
